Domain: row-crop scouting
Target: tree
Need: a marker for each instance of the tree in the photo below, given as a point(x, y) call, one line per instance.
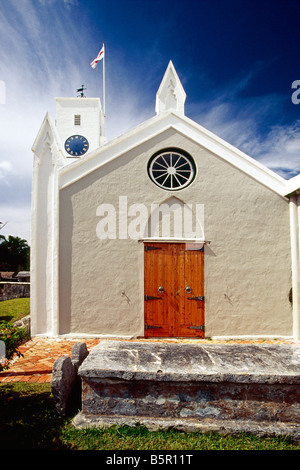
point(14, 253)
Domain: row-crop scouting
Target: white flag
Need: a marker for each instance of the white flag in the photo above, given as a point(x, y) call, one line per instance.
point(99, 57)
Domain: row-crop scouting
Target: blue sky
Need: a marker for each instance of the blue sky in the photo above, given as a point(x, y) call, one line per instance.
point(237, 60)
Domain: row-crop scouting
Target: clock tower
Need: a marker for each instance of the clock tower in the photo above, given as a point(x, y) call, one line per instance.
point(80, 125)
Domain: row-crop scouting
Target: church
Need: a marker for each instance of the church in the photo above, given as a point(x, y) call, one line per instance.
point(166, 231)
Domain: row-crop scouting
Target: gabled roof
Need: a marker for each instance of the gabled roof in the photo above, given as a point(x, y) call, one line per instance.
point(187, 128)
point(169, 116)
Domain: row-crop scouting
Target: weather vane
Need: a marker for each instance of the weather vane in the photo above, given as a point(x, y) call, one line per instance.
point(80, 91)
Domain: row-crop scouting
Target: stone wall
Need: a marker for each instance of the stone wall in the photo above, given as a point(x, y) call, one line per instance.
point(14, 290)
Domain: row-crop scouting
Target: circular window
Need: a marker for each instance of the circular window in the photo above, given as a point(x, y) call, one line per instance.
point(172, 169)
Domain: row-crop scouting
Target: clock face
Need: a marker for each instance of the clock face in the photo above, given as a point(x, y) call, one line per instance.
point(76, 145)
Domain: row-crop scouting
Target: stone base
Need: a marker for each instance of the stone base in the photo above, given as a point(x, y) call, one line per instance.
point(223, 388)
point(223, 427)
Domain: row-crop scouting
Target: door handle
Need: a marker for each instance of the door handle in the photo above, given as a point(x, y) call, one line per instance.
point(161, 290)
point(188, 289)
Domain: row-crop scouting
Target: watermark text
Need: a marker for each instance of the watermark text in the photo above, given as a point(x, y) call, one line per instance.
point(296, 94)
point(137, 221)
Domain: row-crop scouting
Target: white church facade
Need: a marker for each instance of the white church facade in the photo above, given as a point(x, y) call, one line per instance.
point(165, 231)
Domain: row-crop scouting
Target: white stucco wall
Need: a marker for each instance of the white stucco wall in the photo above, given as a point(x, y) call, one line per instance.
point(247, 264)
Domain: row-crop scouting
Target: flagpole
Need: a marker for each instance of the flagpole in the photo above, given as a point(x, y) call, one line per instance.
point(101, 56)
point(104, 81)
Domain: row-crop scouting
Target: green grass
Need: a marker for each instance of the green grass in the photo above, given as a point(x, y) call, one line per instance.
point(28, 420)
point(15, 309)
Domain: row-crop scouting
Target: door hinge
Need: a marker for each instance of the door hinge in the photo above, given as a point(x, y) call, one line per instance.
point(197, 298)
point(147, 248)
point(202, 327)
point(150, 297)
point(151, 327)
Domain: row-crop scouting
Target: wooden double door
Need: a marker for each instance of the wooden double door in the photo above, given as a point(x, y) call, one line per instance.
point(174, 290)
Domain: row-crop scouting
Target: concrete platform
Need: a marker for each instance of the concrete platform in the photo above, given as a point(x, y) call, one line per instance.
point(192, 387)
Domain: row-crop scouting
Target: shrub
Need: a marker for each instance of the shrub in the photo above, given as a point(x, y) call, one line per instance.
point(12, 337)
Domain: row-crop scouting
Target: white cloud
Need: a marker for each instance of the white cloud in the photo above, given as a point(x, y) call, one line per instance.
point(40, 60)
point(18, 221)
point(43, 55)
point(70, 2)
point(5, 170)
point(33, 73)
point(280, 150)
point(242, 122)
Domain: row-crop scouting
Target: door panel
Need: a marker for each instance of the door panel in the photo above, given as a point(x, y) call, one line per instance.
point(171, 309)
point(157, 266)
point(191, 297)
